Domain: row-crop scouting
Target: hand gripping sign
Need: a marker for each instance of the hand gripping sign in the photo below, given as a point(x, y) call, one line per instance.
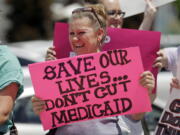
point(91, 86)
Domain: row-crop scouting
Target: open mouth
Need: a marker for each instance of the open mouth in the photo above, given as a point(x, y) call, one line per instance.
point(116, 22)
point(79, 46)
point(116, 25)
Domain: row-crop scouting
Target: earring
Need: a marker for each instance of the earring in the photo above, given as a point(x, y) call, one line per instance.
point(99, 43)
point(99, 39)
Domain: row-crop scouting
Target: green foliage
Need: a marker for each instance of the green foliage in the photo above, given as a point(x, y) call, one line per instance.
point(177, 4)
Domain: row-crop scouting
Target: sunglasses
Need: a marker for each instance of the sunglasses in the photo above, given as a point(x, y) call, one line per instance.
point(88, 9)
point(116, 12)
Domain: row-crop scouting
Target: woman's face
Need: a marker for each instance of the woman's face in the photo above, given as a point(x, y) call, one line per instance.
point(113, 20)
point(83, 37)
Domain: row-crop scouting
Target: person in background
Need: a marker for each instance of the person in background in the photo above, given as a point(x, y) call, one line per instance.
point(11, 78)
point(115, 16)
point(87, 29)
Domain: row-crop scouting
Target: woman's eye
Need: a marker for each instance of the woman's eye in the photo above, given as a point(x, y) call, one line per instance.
point(81, 33)
point(71, 33)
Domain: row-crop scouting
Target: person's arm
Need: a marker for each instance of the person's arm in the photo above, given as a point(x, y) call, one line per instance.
point(7, 98)
point(149, 16)
point(147, 80)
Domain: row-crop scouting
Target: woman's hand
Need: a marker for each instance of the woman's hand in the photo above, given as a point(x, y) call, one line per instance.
point(147, 80)
point(161, 60)
point(38, 105)
point(175, 83)
point(149, 15)
point(150, 10)
point(50, 54)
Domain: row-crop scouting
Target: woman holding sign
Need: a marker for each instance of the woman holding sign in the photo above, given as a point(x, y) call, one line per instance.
point(87, 29)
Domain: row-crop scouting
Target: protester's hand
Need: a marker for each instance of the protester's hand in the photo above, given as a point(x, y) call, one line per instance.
point(161, 60)
point(149, 15)
point(175, 83)
point(147, 80)
point(51, 54)
point(150, 10)
point(38, 105)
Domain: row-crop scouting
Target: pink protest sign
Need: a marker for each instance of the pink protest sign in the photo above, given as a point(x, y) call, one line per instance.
point(90, 86)
point(148, 42)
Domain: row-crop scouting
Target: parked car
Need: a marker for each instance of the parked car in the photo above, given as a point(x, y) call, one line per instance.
point(30, 51)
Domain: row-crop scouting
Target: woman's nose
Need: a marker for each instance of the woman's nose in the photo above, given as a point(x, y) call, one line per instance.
point(75, 39)
point(117, 16)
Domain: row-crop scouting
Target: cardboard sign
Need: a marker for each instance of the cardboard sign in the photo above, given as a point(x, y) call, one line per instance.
point(169, 123)
point(133, 7)
point(90, 86)
point(148, 42)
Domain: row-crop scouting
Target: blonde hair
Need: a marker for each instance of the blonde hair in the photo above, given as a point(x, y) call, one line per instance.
point(101, 13)
point(99, 22)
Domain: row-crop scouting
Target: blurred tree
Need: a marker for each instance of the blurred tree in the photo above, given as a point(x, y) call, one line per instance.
point(177, 4)
point(31, 19)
